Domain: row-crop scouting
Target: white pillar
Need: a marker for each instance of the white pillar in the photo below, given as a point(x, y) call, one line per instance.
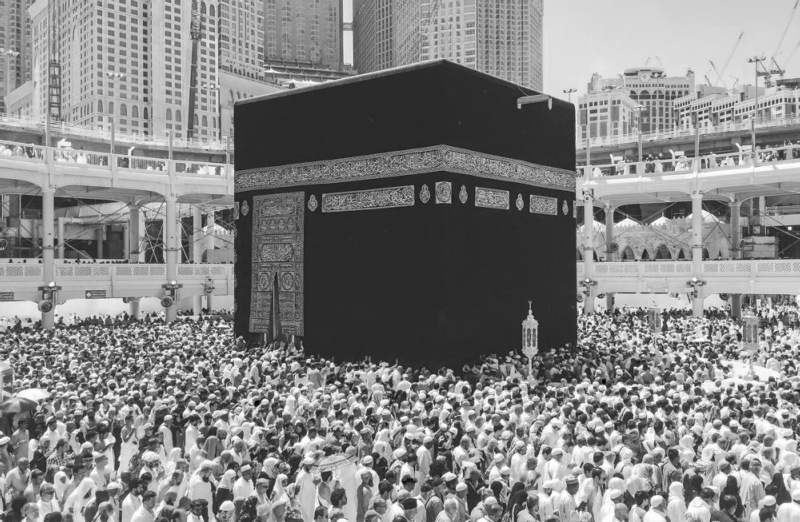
point(736, 232)
point(736, 229)
point(48, 250)
point(210, 237)
point(126, 254)
point(588, 251)
point(697, 250)
point(133, 238)
point(61, 238)
point(610, 256)
point(209, 302)
point(134, 307)
point(197, 252)
point(171, 247)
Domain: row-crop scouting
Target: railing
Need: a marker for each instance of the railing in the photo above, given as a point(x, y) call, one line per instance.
point(727, 268)
point(38, 154)
point(783, 210)
point(64, 272)
point(633, 138)
point(683, 165)
point(218, 146)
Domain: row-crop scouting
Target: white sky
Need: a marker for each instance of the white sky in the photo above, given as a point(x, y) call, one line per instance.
point(607, 36)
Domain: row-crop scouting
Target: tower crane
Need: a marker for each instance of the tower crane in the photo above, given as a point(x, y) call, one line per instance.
point(721, 72)
point(777, 69)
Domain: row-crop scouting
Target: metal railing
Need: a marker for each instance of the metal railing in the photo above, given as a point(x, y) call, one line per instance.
point(683, 165)
point(633, 138)
point(725, 268)
point(64, 272)
point(138, 139)
point(39, 154)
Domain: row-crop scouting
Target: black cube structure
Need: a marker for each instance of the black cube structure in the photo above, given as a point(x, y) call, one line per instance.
point(409, 214)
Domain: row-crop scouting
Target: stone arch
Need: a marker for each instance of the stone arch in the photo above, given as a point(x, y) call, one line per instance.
point(681, 254)
point(662, 252)
point(626, 254)
point(645, 255)
point(706, 254)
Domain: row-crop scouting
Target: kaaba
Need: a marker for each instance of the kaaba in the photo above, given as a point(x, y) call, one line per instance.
point(408, 215)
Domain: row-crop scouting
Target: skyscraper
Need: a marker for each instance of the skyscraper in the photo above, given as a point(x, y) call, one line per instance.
point(147, 66)
point(494, 36)
point(305, 31)
point(15, 47)
point(373, 35)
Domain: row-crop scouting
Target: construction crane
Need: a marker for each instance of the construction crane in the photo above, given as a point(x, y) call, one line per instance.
point(721, 72)
point(794, 51)
point(786, 29)
point(777, 69)
point(196, 34)
point(54, 66)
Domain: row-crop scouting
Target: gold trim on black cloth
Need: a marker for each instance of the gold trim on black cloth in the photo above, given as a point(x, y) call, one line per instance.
point(441, 158)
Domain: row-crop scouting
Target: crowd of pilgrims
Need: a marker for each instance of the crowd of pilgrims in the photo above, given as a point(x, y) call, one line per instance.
point(148, 422)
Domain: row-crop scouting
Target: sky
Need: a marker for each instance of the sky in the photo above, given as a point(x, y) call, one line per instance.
point(582, 37)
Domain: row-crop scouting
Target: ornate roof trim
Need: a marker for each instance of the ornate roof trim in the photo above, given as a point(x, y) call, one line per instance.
point(440, 158)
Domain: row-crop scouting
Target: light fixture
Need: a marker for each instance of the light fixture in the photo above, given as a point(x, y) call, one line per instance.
point(587, 285)
point(695, 284)
point(536, 98)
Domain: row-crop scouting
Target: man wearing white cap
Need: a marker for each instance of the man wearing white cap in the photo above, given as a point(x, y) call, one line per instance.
point(243, 487)
point(166, 431)
point(555, 469)
point(656, 512)
point(546, 506)
point(424, 456)
point(307, 489)
point(790, 511)
point(367, 463)
point(768, 503)
point(227, 511)
point(461, 498)
point(349, 481)
point(200, 486)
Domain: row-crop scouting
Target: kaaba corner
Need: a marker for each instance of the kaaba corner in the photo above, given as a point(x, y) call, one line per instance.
point(408, 214)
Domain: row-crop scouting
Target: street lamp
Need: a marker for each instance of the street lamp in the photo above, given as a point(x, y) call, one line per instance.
point(113, 77)
point(569, 92)
point(755, 60)
point(694, 284)
point(638, 110)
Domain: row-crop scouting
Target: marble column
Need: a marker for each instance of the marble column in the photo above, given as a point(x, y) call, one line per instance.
point(697, 251)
